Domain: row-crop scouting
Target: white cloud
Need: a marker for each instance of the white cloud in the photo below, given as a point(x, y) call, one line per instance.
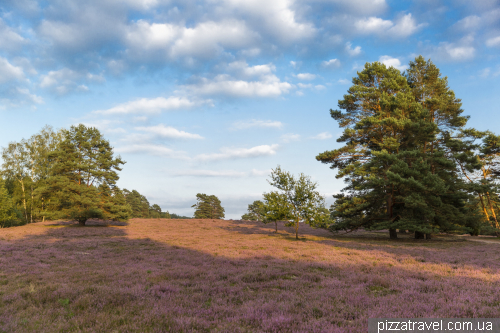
point(246, 81)
point(276, 18)
point(9, 39)
point(168, 132)
point(256, 123)
point(403, 27)
point(235, 153)
point(9, 72)
point(392, 62)
point(204, 40)
point(210, 173)
point(319, 87)
point(151, 106)
point(286, 138)
point(373, 25)
point(493, 42)
point(152, 149)
point(344, 81)
point(25, 93)
point(65, 80)
point(352, 51)
point(332, 63)
point(306, 76)
point(468, 23)
point(323, 136)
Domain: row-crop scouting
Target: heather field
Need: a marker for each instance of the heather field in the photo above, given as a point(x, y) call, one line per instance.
point(233, 276)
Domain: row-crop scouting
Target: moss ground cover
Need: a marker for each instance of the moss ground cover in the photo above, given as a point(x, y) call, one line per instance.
point(233, 276)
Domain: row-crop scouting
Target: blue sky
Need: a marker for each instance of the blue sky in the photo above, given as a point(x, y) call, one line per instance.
point(208, 96)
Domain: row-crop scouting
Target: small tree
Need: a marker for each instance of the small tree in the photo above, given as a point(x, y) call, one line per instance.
point(155, 211)
point(276, 208)
point(208, 207)
point(255, 211)
point(300, 195)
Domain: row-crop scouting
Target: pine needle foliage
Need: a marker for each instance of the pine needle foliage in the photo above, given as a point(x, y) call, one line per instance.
point(208, 207)
point(404, 141)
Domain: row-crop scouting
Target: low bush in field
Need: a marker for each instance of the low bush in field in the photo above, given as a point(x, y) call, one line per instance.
point(225, 276)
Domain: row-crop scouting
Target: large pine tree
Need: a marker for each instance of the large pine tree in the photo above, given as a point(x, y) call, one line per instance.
point(83, 175)
point(403, 142)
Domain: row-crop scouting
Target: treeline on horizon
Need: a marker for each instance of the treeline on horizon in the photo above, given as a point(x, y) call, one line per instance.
point(67, 174)
point(407, 158)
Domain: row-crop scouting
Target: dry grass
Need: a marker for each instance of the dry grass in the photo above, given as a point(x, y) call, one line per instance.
point(232, 276)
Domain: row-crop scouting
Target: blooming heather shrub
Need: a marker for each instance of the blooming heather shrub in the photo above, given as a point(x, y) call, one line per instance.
point(161, 275)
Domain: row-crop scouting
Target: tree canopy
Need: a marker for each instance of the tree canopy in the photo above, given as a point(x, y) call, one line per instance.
point(208, 207)
point(255, 212)
point(404, 145)
point(83, 172)
point(296, 200)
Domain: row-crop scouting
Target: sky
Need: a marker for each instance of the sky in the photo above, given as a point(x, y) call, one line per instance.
point(209, 96)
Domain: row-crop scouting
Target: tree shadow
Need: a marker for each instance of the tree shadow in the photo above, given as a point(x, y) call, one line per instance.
point(104, 279)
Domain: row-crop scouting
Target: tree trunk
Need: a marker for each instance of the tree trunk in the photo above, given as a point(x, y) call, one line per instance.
point(24, 201)
point(82, 223)
point(492, 210)
point(484, 208)
point(276, 225)
point(401, 231)
point(428, 236)
point(393, 234)
point(419, 235)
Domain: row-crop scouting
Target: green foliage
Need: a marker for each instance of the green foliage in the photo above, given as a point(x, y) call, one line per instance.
point(404, 145)
point(297, 200)
point(82, 165)
point(208, 207)
point(8, 216)
point(256, 211)
point(138, 203)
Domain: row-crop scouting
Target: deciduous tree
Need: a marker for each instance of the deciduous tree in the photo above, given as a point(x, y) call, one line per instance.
point(299, 196)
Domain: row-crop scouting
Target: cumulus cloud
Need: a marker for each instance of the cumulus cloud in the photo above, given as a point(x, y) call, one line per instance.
point(152, 149)
point(352, 51)
point(306, 76)
point(323, 136)
point(275, 18)
point(405, 26)
point(168, 132)
point(392, 62)
point(152, 106)
point(332, 63)
point(65, 80)
point(493, 42)
point(204, 40)
point(256, 123)
point(245, 81)
point(237, 153)
point(9, 72)
point(10, 40)
point(462, 50)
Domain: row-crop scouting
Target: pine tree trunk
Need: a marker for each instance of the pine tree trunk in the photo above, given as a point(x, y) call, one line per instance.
point(428, 236)
point(82, 223)
point(393, 234)
point(402, 231)
point(492, 210)
point(276, 225)
point(419, 235)
point(484, 208)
